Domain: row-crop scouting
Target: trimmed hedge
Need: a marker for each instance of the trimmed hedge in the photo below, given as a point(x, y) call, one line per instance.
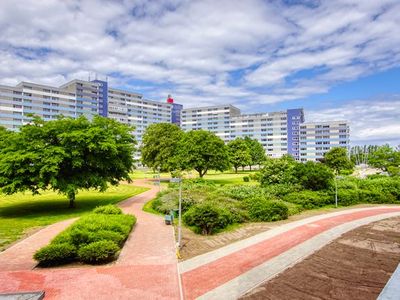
point(55, 254)
point(108, 210)
point(95, 238)
point(98, 252)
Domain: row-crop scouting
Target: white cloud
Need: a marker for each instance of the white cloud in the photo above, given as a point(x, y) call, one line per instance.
point(203, 52)
point(371, 121)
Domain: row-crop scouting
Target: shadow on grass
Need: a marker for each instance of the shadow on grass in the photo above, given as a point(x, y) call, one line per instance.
point(44, 208)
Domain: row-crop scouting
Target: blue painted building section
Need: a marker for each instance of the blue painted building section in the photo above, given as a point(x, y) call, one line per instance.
point(103, 97)
point(294, 118)
point(176, 113)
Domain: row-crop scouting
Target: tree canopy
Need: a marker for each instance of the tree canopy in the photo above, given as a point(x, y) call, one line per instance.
point(257, 151)
point(202, 151)
point(385, 158)
point(66, 155)
point(159, 146)
point(239, 153)
point(337, 159)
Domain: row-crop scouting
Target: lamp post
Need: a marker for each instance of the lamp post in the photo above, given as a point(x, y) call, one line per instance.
point(179, 180)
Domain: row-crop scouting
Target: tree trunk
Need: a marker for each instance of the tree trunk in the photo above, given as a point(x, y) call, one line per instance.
point(250, 167)
point(242, 168)
point(236, 169)
point(71, 198)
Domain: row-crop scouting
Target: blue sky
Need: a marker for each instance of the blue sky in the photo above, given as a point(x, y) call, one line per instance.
point(337, 59)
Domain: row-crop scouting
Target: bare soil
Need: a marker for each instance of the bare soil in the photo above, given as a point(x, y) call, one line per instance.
point(195, 244)
point(354, 266)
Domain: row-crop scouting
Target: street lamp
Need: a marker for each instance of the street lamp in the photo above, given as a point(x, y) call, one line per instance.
point(179, 180)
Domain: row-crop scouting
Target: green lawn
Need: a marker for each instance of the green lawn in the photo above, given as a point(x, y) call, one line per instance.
point(20, 213)
point(229, 177)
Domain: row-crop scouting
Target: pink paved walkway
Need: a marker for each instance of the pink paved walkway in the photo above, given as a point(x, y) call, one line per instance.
point(198, 281)
point(146, 268)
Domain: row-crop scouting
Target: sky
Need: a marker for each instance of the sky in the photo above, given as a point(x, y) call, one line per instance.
point(337, 59)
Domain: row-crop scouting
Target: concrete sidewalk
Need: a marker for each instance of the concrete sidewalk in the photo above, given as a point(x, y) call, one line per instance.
point(231, 271)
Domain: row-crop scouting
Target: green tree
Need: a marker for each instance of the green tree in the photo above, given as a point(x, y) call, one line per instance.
point(384, 157)
point(202, 151)
point(66, 155)
point(257, 151)
point(159, 146)
point(239, 153)
point(278, 170)
point(338, 160)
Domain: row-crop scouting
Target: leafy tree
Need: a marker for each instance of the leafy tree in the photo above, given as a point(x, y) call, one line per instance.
point(257, 151)
point(313, 176)
point(202, 151)
point(239, 153)
point(338, 160)
point(159, 146)
point(384, 157)
point(66, 155)
point(278, 170)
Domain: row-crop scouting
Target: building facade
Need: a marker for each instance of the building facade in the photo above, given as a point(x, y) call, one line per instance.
point(318, 138)
point(282, 132)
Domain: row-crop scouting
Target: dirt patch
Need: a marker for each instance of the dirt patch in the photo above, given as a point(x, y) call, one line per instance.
point(355, 266)
point(195, 244)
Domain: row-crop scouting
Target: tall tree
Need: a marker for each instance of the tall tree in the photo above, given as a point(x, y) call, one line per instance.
point(239, 153)
point(159, 146)
point(202, 151)
point(338, 160)
point(66, 155)
point(257, 151)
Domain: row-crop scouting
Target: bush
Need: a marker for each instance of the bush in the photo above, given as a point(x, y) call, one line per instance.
point(348, 197)
point(246, 178)
point(375, 196)
point(108, 210)
point(278, 170)
point(261, 209)
point(280, 190)
point(207, 218)
point(55, 254)
point(241, 192)
point(313, 176)
point(309, 199)
point(98, 252)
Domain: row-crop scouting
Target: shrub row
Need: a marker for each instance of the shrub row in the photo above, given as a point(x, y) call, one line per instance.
point(94, 239)
point(209, 208)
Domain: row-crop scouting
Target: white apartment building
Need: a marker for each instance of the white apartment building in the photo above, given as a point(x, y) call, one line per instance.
point(318, 138)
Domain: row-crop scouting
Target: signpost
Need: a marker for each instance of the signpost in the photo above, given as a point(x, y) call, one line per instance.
point(179, 180)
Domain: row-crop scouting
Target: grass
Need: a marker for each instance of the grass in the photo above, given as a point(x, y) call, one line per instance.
point(21, 213)
point(229, 177)
point(148, 208)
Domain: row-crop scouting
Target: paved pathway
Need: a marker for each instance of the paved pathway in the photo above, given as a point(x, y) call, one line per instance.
point(145, 269)
point(229, 272)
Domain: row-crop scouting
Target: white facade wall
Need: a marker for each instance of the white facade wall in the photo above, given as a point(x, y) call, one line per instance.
point(318, 138)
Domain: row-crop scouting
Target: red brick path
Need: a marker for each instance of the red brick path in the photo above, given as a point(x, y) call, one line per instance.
point(207, 277)
point(146, 268)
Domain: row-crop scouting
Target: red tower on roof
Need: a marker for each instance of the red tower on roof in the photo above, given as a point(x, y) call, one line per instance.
point(169, 99)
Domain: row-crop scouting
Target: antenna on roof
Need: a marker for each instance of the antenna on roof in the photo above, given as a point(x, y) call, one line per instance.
point(89, 77)
point(106, 78)
point(95, 75)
